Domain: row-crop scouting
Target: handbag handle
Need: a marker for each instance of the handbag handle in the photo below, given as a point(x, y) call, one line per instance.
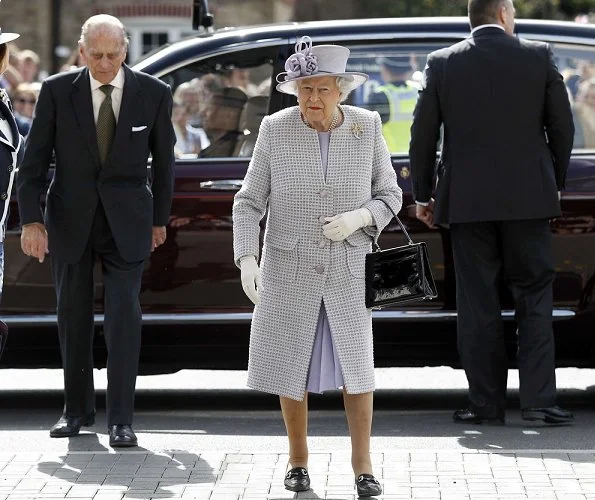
point(376, 246)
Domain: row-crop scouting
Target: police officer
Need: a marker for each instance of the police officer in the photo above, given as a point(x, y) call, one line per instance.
point(395, 100)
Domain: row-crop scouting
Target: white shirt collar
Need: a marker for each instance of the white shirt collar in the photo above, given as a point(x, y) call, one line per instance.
point(487, 26)
point(117, 82)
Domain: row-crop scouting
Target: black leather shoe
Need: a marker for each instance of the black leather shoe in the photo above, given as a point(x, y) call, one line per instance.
point(469, 416)
point(297, 479)
point(551, 415)
point(122, 436)
point(368, 486)
point(70, 426)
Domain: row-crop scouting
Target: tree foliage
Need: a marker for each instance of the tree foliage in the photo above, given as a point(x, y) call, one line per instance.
point(310, 10)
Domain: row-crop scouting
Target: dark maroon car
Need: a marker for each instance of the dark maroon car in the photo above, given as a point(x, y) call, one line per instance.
point(195, 312)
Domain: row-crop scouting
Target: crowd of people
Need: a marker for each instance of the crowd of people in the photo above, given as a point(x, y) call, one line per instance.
point(207, 109)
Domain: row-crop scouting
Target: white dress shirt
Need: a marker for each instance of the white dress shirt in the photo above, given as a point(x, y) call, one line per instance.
point(98, 96)
point(481, 26)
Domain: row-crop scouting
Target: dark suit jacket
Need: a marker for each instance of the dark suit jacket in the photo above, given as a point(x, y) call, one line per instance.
point(508, 130)
point(64, 123)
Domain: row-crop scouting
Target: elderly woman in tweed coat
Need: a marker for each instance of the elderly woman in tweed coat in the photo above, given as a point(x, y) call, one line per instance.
point(325, 174)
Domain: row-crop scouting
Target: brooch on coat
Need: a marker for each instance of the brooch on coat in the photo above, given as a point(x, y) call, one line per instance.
point(357, 130)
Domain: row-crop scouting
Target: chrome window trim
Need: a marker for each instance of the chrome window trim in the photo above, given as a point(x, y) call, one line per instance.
point(354, 39)
point(245, 318)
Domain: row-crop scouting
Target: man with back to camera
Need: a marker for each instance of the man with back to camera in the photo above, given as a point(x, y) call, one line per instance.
point(102, 123)
point(508, 135)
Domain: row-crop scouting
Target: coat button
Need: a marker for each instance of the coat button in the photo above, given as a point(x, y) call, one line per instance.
point(4, 196)
point(324, 193)
point(10, 168)
point(319, 269)
point(321, 244)
point(321, 219)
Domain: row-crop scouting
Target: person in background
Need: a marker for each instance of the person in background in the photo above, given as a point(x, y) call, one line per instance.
point(222, 120)
point(102, 121)
point(502, 165)
point(584, 108)
point(29, 64)
point(11, 154)
point(206, 85)
point(74, 61)
point(395, 100)
point(24, 98)
point(324, 175)
point(188, 139)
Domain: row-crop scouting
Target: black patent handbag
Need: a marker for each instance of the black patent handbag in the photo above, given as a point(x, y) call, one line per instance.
point(399, 275)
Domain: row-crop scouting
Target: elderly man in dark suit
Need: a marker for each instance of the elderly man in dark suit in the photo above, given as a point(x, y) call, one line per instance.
point(508, 135)
point(102, 122)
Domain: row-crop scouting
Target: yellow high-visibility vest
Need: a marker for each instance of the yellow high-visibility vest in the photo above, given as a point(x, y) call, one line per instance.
point(401, 101)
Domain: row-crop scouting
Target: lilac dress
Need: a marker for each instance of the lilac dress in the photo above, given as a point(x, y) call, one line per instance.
point(325, 369)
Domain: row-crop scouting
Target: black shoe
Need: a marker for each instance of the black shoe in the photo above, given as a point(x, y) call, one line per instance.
point(551, 415)
point(70, 426)
point(122, 436)
point(368, 486)
point(469, 416)
point(297, 479)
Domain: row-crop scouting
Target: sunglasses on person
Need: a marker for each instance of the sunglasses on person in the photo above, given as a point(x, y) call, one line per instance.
point(22, 100)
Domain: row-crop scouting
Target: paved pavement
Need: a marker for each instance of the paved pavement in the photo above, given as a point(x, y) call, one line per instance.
point(481, 474)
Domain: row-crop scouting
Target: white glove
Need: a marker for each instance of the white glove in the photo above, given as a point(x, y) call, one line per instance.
point(250, 277)
point(341, 226)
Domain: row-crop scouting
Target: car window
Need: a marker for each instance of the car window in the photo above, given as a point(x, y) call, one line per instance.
point(396, 73)
point(219, 103)
point(392, 89)
point(577, 65)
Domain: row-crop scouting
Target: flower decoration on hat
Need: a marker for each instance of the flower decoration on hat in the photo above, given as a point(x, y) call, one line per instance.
point(302, 63)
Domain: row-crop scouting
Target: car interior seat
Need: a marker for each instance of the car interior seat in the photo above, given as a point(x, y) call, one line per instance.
point(254, 111)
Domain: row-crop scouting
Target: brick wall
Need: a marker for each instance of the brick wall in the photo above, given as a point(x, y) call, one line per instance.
point(32, 18)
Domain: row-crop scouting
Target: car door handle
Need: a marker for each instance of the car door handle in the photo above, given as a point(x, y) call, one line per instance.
point(223, 185)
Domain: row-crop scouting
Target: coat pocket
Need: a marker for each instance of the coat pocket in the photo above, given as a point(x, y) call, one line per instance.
point(280, 259)
point(357, 246)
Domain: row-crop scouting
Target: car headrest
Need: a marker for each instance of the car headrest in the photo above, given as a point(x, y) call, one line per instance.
point(254, 111)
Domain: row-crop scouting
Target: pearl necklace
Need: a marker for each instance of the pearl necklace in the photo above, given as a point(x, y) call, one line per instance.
point(333, 124)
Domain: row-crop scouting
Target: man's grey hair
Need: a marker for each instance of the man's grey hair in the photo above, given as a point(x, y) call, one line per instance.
point(102, 22)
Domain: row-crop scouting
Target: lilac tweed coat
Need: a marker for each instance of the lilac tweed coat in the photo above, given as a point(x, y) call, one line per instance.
point(300, 267)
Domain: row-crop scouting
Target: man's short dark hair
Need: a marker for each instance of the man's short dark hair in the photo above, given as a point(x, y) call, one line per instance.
point(483, 11)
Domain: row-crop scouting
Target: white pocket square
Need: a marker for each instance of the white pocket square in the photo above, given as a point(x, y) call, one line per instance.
point(138, 129)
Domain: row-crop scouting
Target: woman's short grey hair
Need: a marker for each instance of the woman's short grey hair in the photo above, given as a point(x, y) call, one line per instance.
point(344, 85)
point(103, 22)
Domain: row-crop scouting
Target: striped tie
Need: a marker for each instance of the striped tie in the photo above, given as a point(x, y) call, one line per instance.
point(106, 123)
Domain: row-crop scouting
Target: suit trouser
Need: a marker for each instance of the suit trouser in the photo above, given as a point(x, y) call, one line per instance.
point(122, 325)
point(520, 252)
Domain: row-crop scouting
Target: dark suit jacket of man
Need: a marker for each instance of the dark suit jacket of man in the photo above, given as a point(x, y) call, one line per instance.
point(508, 130)
point(64, 123)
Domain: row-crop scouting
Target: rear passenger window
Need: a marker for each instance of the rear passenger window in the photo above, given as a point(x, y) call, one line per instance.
point(219, 103)
point(392, 89)
point(577, 65)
